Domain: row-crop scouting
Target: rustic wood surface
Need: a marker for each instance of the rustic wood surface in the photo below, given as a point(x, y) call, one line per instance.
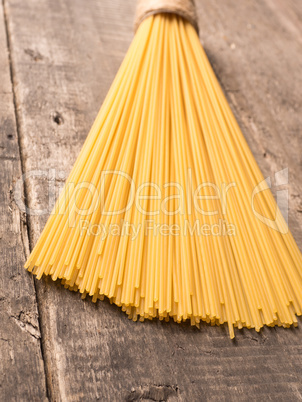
point(63, 56)
point(22, 375)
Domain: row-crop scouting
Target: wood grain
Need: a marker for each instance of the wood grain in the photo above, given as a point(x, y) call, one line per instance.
point(65, 55)
point(21, 365)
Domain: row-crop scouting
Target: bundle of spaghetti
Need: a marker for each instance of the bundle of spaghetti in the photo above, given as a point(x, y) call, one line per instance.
point(156, 213)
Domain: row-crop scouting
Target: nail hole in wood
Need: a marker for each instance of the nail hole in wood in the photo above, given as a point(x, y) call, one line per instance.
point(58, 118)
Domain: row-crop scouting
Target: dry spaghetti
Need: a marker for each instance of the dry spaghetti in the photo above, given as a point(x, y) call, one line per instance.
point(157, 213)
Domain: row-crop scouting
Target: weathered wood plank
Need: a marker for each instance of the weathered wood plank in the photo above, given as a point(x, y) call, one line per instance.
point(64, 62)
point(21, 365)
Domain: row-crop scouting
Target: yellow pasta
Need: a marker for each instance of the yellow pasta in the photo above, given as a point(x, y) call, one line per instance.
point(157, 213)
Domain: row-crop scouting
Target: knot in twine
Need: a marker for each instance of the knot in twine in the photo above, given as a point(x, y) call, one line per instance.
point(184, 8)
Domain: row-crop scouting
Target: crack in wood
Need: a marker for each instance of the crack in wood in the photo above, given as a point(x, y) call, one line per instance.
point(26, 322)
point(154, 392)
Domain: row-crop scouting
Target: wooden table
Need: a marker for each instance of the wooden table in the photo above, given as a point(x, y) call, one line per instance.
point(57, 61)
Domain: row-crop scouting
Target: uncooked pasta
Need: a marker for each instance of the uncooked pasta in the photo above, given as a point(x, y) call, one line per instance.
point(161, 212)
